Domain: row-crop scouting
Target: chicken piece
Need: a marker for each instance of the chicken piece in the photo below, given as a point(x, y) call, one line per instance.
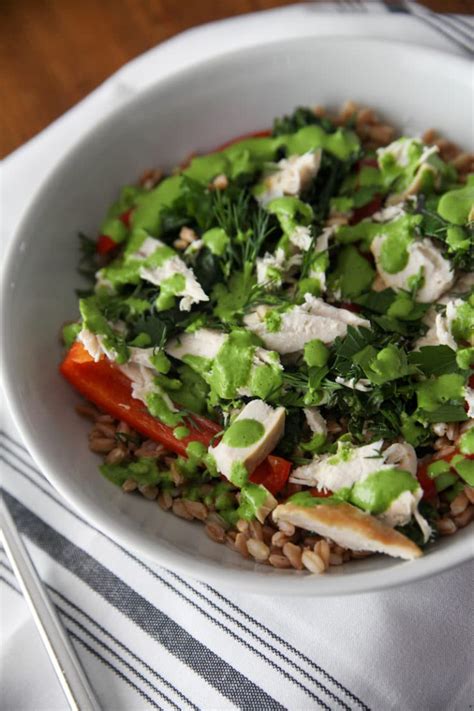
point(169, 272)
point(348, 527)
point(250, 438)
point(203, 343)
point(316, 422)
point(292, 176)
point(403, 456)
point(300, 324)
point(423, 257)
point(336, 471)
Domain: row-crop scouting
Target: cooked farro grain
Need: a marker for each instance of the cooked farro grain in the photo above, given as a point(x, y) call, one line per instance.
point(347, 112)
point(101, 445)
point(176, 475)
point(469, 491)
point(231, 536)
point(464, 163)
point(196, 509)
point(179, 509)
point(446, 526)
point(218, 520)
point(459, 504)
point(242, 526)
point(106, 429)
point(116, 455)
point(256, 530)
point(337, 220)
point(279, 561)
point(465, 517)
point(323, 550)
point(187, 235)
point(381, 134)
point(241, 544)
point(105, 419)
point(452, 431)
point(443, 447)
point(313, 562)
point(165, 500)
point(279, 539)
point(215, 532)
point(258, 549)
point(220, 182)
point(149, 448)
point(129, 485)
point(149, 491)
point(293, 553)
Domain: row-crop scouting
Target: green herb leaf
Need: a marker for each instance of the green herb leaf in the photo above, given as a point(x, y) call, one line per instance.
point(301, 117)
point(444, 413)
point(434, 360)
point(345, 348)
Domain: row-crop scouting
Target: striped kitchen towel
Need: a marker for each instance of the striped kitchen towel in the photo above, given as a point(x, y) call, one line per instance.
point(150, 638)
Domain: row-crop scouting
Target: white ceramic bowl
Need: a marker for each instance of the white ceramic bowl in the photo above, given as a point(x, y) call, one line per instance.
point(196, 110)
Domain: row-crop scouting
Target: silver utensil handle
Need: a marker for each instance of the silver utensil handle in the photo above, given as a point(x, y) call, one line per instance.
point(58, 645)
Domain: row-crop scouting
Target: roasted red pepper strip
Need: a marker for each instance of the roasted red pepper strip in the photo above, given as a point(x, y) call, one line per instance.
point(108, 388)
point(320, 494)
point(105, 244)
point(368, 210)
point(273, 473)
point(426, 482)
point(125, 217)
point(355, 308)
point(366, 163)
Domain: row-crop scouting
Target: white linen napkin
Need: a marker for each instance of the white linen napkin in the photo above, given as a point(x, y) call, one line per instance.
point(149, 638)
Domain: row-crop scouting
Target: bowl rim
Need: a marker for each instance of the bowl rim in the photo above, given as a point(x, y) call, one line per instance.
point(436, 561)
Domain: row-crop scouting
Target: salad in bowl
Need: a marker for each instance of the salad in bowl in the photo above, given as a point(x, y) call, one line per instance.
point(278, 340)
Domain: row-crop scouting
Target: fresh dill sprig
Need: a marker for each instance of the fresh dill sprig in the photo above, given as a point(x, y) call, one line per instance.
point(245, 222)
point(260, 229)
point(296, 379)
point(260, 294)
point(308, 255)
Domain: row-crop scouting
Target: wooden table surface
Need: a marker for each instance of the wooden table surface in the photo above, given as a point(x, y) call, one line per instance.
point(54, 52)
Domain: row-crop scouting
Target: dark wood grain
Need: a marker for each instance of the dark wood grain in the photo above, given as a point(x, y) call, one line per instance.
point(54, 52)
